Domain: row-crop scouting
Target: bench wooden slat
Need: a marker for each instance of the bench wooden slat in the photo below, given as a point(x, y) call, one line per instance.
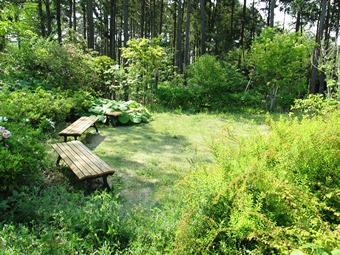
point(94, 165)
point(81, 168)
point(79, 126)
point(66, 155)
point(81, 160)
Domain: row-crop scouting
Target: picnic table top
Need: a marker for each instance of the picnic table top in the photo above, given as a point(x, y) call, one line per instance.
point(82, 161)
point(79, 126)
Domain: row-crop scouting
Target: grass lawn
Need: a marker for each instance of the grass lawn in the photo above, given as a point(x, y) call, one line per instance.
point(149, 158)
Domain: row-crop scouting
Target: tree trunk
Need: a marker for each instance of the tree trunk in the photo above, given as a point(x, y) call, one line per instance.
point(231, 35)
point(187, 35)
point(313, 88)
point(83, 6)
point(253, 20)
point(48, 17)
point(142, 18)
point(161, 17)
point(126, 19)
point(113, 30)
point(272, 13)
point(203, 27)
point(179, 52)
point(70, 20)
point(242, 32)
point(42, 19)
point(90, 25)
point(58, 9)
point(74, 16)
point(298, 22)
point(327, 29)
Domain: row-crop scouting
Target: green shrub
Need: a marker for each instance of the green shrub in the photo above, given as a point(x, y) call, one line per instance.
point(56, 221)
point(212, 83)
point(22, 154)
point(314, 105)
point(46, 63)
point(174, 97)
point(266, 194)
point(42, 108)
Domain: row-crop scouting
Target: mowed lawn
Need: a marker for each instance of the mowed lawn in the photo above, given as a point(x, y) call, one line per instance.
point(149, 158)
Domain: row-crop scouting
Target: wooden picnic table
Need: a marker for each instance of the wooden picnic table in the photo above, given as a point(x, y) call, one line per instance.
point(82, 161)
point(78, 127)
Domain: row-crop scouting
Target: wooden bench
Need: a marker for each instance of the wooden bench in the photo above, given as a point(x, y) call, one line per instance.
point(78, 127)
point(82, 161)
point(113, 116)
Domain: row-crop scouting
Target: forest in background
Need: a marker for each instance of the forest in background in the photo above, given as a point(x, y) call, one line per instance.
point(186, 30)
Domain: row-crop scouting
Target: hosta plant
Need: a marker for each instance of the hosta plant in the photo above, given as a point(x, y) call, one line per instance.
point(138, 114)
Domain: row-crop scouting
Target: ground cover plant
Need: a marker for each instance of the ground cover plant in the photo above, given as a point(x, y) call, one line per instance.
point(137, 112)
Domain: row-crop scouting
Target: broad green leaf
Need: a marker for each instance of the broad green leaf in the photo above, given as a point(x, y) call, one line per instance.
point(124, 118)
point(136, 117)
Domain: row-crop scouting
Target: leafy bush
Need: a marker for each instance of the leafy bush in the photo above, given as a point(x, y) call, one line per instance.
point(46, 63)
point(42, 108)
point(211, 83)
point(278, 65)
point(265, 194)
point(314, 105)
point(56, 221)
point(100, 106)
point(101, 65)
point(174, 97)
point(22, 154)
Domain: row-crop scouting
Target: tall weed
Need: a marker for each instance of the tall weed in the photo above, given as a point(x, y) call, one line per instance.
point(266, 194)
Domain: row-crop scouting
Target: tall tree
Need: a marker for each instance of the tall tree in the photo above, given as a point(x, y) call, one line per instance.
point(90, 25)
point(187, 35)
point(48, 17)
point(42, 18)
point(203, 26)
point(58, 14)
point(179, 52)
point(113, 29)
point(313, 86)
point(126, 21)
point(272, 12)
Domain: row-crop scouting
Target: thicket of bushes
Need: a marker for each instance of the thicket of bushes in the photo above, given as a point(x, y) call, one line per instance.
point(266, 194)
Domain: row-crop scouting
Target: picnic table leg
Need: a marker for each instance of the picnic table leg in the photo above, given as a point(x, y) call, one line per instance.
point(105, 183)
point(58, 161)
point(97, 131)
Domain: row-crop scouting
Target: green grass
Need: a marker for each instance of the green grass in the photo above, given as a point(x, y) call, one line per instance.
point(150, 158)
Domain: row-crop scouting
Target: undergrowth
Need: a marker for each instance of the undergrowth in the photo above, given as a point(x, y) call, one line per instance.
point(265, 194)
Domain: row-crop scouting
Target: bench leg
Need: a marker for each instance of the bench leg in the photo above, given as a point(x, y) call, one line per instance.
point(105, 183)
point(58, 161)
point(94, 125)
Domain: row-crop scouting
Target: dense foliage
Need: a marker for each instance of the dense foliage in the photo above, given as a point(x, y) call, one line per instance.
point(71, 223)
point(266, 194)
point(278, 66)
point(131, 110)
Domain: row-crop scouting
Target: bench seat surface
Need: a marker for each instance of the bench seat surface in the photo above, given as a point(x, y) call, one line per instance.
point(117, 113)
point(79, 126)
point(81, 160)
